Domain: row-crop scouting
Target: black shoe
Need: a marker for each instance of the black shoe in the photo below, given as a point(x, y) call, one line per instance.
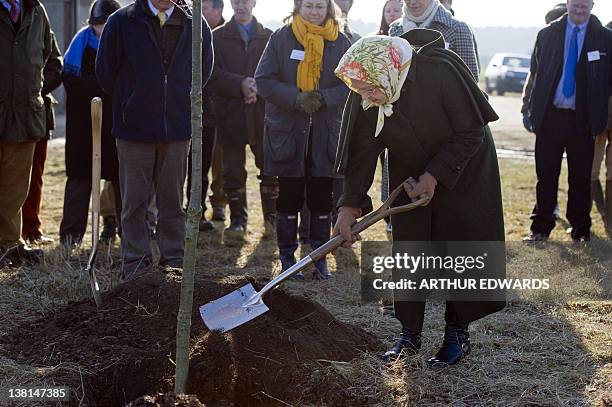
point(5, 262)
point(455, 347)
point(236, 228)
point(109, 231)
point(218, 214)
point(533, 237)
point(238, 213)
point(205, 225)
point(24, 254)
point(408, 344)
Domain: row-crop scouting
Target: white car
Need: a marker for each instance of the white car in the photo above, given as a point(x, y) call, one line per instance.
point(507, 73)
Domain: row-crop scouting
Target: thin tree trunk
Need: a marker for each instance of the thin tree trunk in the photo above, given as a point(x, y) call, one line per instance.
point(194, 212)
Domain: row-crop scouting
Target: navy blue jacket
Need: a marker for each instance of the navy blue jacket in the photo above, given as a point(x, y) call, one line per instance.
point(287, 132)
point(149, 104)
point(593, 78)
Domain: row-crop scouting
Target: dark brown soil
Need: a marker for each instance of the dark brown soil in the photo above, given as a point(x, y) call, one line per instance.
point(129, 346)
point(166, 400)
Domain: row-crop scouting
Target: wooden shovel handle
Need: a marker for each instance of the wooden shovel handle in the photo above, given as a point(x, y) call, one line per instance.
point(370, 219)
point(96, 164)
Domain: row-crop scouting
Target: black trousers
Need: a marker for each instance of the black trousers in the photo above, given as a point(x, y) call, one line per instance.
point(208, 143)
point(234, 167)
point(318, 194)
point(560, 134)
point(76, 208)
point(412, 313)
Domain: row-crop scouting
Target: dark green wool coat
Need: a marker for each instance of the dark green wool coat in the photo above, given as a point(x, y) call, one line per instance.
point(439, 125)
point(24, 53)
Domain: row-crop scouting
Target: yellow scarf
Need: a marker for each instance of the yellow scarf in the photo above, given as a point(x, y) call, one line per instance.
point(312, 38)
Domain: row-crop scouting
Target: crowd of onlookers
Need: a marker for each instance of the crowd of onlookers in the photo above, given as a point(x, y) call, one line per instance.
point(275, 92)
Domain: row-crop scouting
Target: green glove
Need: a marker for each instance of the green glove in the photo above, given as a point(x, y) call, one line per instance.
point(309, 102)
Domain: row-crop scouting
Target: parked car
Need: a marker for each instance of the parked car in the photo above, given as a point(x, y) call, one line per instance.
point(507, 73)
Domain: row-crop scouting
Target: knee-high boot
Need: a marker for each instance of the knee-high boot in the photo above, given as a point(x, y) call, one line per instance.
point(286, 237)
point(268, 191)
point(319, 234)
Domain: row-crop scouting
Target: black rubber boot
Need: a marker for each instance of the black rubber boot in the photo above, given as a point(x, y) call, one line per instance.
point(109, 230)
point(286, 237)
point(455, 347)
point(408, 344)
point(319, 234)
point(238, 213)
point(304, 225)
point(597, 195)
point(268, 191)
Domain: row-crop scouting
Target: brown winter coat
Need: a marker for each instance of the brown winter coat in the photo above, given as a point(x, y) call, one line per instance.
point(238, 123)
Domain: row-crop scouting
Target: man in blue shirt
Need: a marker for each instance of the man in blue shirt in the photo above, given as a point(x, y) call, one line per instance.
point(567, 109)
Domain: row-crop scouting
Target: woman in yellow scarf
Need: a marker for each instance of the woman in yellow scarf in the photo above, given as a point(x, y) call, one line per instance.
point(304, 101)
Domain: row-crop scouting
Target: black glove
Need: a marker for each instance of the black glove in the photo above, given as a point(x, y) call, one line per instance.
point(527, 122)
point(309, 102)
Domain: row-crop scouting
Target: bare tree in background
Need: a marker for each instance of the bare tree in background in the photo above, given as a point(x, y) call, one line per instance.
point(194, 211)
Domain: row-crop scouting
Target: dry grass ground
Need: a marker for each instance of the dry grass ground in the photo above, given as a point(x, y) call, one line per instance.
point(544, 349)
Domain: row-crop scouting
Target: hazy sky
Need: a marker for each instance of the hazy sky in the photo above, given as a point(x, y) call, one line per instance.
point(478, 13)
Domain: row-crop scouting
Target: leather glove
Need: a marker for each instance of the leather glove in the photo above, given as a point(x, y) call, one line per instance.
point(346, 218)
point(309, 102)
point(527, 123)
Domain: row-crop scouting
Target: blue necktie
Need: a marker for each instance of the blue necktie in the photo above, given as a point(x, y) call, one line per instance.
point(569, 83)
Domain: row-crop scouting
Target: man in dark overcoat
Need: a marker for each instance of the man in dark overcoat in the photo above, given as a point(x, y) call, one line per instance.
point(26, 47)
point(239, 44)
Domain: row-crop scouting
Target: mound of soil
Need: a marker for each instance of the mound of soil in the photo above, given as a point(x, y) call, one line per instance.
point(128, 347)
point(166, 400)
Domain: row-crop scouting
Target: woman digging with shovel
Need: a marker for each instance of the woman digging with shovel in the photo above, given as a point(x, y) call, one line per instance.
point(426, 109)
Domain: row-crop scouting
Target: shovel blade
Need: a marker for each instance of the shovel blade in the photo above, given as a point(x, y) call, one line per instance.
point(95, 288)
point(228, 312)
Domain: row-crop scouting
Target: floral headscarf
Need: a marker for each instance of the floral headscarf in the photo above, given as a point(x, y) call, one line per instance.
point(380, 61)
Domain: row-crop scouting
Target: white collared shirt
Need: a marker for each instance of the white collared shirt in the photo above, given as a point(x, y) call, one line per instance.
point(155, 11)
point(560, 100)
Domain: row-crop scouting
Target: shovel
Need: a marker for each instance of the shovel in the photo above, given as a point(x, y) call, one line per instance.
point(245, 304)
point(96, 130)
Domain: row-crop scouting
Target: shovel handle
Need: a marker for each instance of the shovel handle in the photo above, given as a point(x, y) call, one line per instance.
point(373, 217)
point(96, 172)
point(96, 165)
point(382, 212)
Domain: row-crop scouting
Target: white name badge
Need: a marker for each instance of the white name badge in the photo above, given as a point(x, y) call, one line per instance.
point(594, 56)
point(297, 55)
